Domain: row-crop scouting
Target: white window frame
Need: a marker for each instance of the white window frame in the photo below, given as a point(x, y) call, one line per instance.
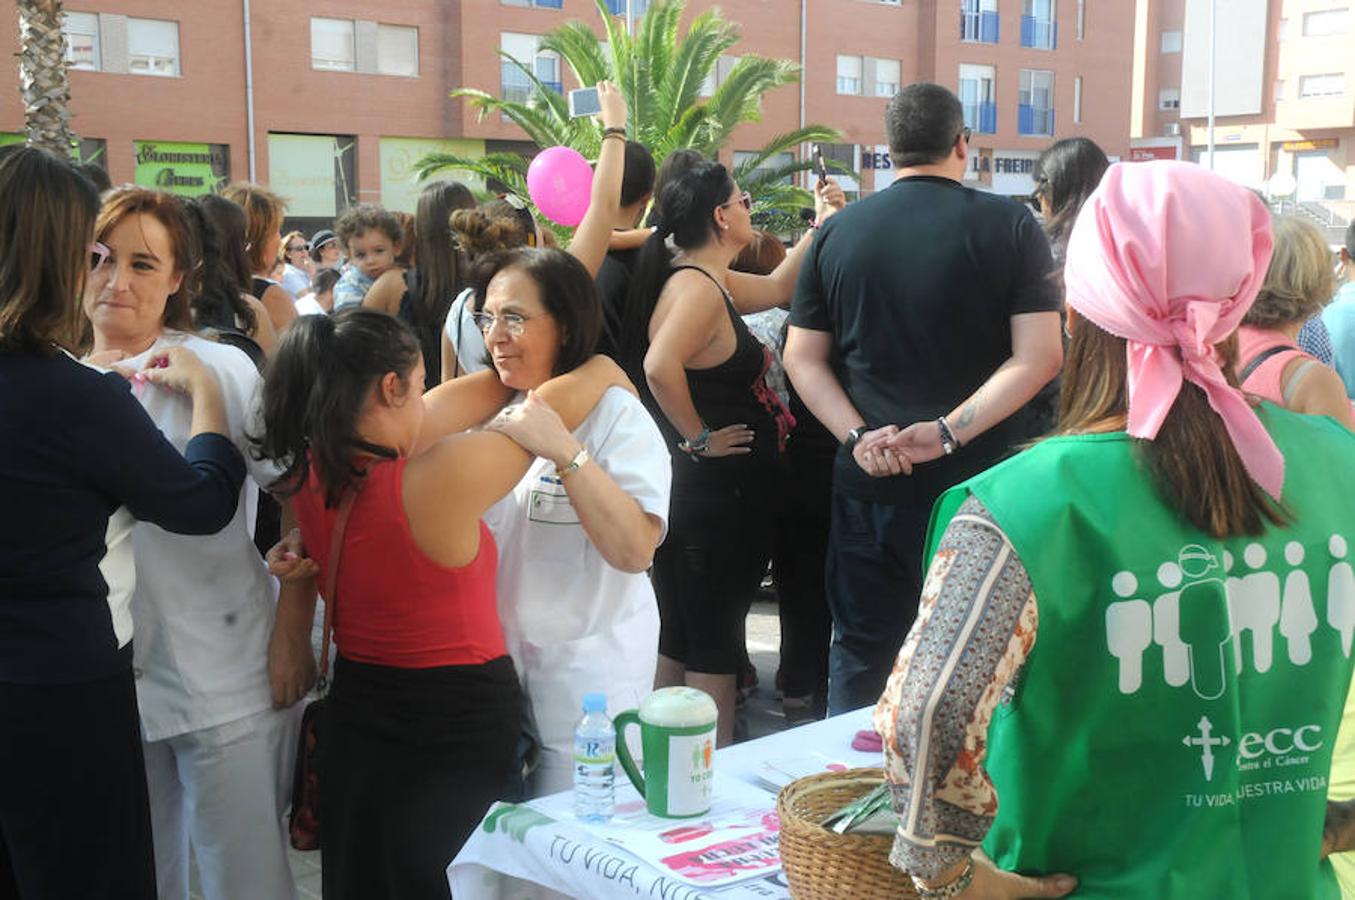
point(1327, 84)
point(1077, 100)
point(849, 85)
point(325, 64)
point(534, 60)
point(1081, 19)
point(1171, 41)
point(153, 57)
point(1027, 88)
point(82, 24)
point(1044, 27)
point(984, 79)
point(1326, 22)
point(887, 88)
point(400, 65)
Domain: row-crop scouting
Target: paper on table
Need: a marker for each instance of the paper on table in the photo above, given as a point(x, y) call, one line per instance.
point(738, 839)
point(775, 774)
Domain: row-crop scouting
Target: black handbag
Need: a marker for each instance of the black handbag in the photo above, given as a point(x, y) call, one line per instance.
point(303, 822)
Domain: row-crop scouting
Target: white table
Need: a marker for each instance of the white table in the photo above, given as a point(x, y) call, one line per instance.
point(519, 853)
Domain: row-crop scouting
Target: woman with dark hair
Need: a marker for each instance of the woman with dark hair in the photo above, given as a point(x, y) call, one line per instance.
point(421, 295)
point(218, 755)
point(1077, 694)
point(1065, 175)
point(672, 167)
point(263, 217)
point(222, 303)
point(424, 711)
point(575, 539)
point(79, 459)
point(684, 338)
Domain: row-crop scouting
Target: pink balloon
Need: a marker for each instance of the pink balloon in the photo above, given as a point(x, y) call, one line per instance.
point(560, 181)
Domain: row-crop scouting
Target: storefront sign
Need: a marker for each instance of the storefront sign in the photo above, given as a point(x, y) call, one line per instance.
point(1011, 170)
point(400, 183)
point(1147, 154)
point(189, 170)
point(1320, 144)
point(315, 173)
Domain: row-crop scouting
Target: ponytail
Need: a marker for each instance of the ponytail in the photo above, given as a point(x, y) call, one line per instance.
point(652, 270)
point(315, 389)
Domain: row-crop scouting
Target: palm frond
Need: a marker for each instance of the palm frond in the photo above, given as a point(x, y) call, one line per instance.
point(543, 130)
point(739, 97)
point(696, 58)
point(508, 168)
point(581, 50)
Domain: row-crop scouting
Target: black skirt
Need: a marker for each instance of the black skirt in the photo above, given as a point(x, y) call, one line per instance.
point(409, 761)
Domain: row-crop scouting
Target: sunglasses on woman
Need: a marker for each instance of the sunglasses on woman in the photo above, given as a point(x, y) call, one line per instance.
point(98, 255)
point(745, 198)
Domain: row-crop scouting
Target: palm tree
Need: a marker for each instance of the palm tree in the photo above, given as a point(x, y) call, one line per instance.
point(42, 76)
point(661, 77)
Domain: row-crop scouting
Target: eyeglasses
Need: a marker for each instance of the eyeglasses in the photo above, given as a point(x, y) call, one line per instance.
point(299, 248)
point(98, 255)
point(513, 323)
point(745, 198)
point(965, 133)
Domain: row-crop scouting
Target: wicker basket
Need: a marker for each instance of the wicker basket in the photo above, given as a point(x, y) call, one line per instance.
point(821, 865)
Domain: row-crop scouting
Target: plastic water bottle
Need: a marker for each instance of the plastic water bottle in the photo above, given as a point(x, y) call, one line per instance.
point(594, 761)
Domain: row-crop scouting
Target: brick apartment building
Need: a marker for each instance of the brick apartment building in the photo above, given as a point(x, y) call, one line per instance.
point(330, 102)
point(1284, 101)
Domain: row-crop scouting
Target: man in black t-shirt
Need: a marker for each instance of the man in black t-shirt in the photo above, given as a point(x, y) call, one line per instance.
point(923, 320)
point(613, 278)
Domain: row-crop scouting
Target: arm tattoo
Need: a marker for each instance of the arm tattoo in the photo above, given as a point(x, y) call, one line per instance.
point(970, 411)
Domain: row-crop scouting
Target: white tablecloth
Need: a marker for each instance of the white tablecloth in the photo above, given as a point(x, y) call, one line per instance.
point(519, 853)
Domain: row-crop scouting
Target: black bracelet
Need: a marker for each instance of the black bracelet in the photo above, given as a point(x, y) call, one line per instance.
point(607, 132)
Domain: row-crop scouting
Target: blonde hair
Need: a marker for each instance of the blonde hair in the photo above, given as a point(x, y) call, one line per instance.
point(287, 239)
point(263, 212)
point(1301, 278)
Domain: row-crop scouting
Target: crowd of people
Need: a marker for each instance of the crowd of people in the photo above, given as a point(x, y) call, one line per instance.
point(1117, 417)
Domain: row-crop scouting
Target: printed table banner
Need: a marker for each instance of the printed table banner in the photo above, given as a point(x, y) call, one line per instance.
point(539, 850)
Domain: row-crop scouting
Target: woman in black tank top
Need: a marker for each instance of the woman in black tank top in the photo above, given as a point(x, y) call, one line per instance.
point(701, 374)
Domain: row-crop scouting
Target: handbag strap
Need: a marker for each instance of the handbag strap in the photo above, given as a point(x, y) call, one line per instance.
point(332, 581)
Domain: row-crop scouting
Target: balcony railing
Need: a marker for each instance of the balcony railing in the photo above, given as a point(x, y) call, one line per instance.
point(1034, 120)
point(980, 27)
point(981, 117)
point(1041, 34)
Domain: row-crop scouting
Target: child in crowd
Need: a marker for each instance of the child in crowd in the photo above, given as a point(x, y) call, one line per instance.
point(319, 301)
point(373, 238)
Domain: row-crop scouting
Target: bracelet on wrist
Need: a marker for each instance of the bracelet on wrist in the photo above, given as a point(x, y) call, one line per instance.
point(698, 445)
point(578, 462)
point(617, 130)
point(949, 442)
point(950, 889)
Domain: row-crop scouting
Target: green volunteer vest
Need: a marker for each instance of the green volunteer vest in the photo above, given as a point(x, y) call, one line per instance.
point(1170, 735)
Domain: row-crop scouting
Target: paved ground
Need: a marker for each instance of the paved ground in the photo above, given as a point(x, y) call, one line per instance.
point(761, 715)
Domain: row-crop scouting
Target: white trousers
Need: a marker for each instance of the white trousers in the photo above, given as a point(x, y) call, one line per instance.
point(225, 790)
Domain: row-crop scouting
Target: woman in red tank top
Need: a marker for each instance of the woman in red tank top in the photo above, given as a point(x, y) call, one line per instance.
point(424, 711)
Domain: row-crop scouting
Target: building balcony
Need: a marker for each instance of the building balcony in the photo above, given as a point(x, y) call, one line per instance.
point(979, 27)
point(1034, 120)
point(981, 117)
point(1316, 113)
point(1039, 34)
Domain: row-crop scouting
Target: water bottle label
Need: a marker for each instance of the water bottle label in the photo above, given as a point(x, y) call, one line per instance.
point(594, 752)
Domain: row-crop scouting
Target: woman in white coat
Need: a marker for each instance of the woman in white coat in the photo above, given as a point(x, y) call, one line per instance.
point(217, 753)
point(577, 534)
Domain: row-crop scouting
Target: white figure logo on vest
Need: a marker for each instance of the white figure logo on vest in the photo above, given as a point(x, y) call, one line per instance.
point(1203, 605)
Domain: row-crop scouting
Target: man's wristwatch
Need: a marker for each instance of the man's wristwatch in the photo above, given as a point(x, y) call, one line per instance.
point(854, 436)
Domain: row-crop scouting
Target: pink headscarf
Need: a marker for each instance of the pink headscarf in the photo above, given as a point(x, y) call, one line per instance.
point(1170, 256)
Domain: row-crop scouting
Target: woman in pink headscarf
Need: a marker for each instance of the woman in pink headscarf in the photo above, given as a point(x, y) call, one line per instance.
point(1170, 732)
